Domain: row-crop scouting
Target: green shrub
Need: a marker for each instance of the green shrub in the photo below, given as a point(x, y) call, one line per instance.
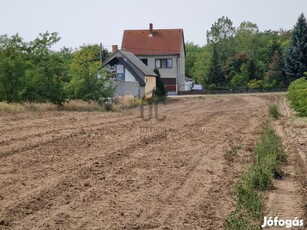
point(255, 84)
point(274, 112)
point(240, 79)
point(157, 95)
point(213, 87)
point(270, 84)
point(155, 100)
point(297, 94)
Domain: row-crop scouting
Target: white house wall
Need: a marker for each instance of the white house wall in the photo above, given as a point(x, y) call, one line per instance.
point(181, 75)
point(165, 73)
point(128, 76)
point(123, 88)
point(177, 71)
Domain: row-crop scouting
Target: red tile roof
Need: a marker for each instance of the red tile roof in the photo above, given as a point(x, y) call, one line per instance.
point(163, 42)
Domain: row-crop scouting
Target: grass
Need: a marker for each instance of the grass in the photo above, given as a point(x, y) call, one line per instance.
point(274, 112)
point(74, 105)
point(24, 107)
point(268, 158)
point(118, 104)
point(240, 220)
point(81, 106)
point(125, 102)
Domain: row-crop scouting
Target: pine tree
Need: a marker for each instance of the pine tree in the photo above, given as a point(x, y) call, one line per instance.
point(215, 75)
point(296, 54)
point(160, 90)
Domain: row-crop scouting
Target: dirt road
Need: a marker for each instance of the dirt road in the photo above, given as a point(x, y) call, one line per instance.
point(78, 170)
point(288, 199)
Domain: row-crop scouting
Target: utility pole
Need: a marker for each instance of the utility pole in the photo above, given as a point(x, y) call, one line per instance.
point(101, 54)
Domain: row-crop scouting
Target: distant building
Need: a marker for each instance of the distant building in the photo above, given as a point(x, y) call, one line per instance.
point(130, 75)
point(163, 49)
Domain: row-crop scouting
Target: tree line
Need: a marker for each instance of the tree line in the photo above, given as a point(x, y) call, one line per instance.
point(233, 58)
point(245, 57)
point(33, 72)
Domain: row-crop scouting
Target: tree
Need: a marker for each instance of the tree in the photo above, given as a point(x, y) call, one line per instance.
point(296, 54)
point(65, 54)
point(240, 79)
point(84, 83)
point(246, 35)
point(274, 76)
point(220, 30)
point(160, 90)
point(215, 75)
point(275, 47)
point(201, 66)
point(252, 69)
point(245, 45)
point(233, 64)
point(248, 27)
point(45, 77)
point(192, 51)
point(221, 35)
point(12, 67)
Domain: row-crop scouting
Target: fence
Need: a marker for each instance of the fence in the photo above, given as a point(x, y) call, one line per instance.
point(229, 91)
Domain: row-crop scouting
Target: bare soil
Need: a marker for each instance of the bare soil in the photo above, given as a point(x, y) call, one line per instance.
point(79, 170)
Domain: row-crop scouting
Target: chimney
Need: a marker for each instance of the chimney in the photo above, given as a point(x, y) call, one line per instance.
point(150, 30)
point(114, 48)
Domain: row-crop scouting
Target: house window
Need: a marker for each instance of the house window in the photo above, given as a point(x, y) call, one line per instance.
point(144, 60)
point(165, 63)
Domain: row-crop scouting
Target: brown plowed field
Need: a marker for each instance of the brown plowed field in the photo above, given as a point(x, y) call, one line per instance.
point(79, 170)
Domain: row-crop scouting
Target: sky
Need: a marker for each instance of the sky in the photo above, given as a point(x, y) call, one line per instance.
point(80, 22)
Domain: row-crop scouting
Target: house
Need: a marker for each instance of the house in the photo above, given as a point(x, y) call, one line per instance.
point(129, 74)
point(163, 49)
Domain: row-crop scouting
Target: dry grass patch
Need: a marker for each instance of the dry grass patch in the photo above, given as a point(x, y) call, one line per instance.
point(124, 102)
point(74, 105)
point(117, 104)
